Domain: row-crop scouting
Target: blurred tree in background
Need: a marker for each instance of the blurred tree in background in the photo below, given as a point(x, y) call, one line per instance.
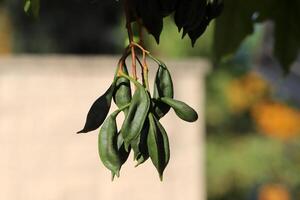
point(237, 22)
point(80, 27)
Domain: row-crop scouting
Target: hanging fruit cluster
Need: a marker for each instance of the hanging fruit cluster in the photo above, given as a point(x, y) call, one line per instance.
point(141, 130)
point(191, 16)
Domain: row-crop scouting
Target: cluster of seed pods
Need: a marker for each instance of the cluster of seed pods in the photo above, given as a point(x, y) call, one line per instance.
point(141, 131)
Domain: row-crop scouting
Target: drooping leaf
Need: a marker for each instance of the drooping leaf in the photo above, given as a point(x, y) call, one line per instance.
point(195, 15)
point(180, 16)
point(167, 6)
point(151, 15)
point(196, 33)
point(233, 26)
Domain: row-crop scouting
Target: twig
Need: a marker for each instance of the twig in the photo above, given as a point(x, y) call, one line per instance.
point(130, 36)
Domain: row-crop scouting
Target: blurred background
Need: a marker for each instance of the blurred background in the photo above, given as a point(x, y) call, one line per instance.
point(252, 109)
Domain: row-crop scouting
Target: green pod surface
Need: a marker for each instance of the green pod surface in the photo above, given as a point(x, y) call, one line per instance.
point(136, 116)
point(181, 109)
point(158, 145)
point(122, 92)
point(98, 111)
point(139, 145)
point(121, 149)
point(108, 145)
point(163, 87)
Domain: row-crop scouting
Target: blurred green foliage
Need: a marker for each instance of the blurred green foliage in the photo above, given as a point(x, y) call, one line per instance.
point(239, 163)
point(239, 158)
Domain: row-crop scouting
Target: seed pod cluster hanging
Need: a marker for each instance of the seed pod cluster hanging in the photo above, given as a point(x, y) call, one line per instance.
point(141, 132)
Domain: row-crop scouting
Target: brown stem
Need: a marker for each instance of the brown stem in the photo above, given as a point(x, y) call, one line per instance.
point(142, 70)
point(140, 47)
point(122, 60)
point(145, 70)
point(130, 36)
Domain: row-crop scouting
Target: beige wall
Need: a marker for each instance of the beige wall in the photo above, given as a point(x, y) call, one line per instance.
point(44, 101)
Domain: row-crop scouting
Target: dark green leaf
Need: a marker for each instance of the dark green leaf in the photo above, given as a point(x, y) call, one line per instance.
point(196, 33)
point(214, 8)
point(168, 6)
point(151, 15)
point(234, 24)
point(195, 15)
point(181, 13)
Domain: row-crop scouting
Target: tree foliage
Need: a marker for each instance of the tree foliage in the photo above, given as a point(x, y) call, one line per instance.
point(192, 17)
point(238, 17)
point(235, 23)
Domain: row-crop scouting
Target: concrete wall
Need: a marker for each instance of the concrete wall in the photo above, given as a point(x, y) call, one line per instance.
point(44, 101)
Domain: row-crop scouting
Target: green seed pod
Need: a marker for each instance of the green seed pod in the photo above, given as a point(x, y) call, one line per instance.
point(107, 145)
point(98, 111)
point(158, 145)
point(139, 145)
point(136, 116)
point(121, 149)
point(163, 87)
point(181, 109)
point(122, 93)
